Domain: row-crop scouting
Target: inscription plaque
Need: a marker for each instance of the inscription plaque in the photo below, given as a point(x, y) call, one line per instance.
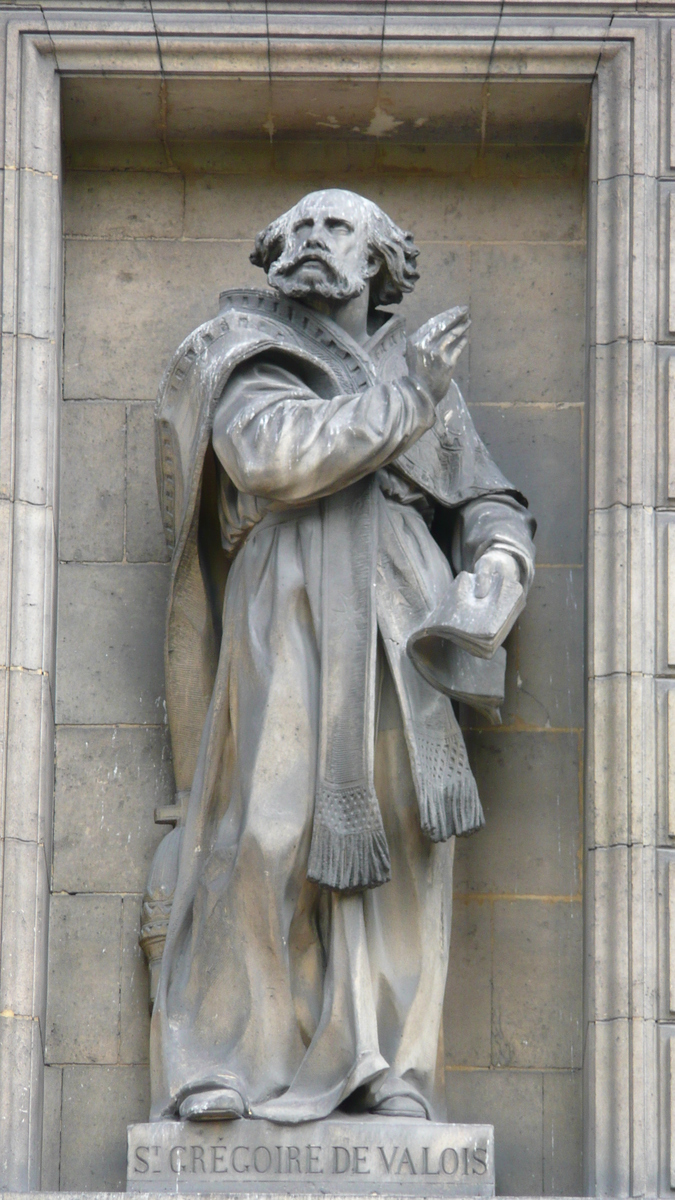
point(350, 1156)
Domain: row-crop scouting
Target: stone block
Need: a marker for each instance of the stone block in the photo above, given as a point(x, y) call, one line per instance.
point(545, 668)
point(529, 444)
point(537, 984)
point(609, 582)
point(135, 987)
point(25, 892)
point(21, 1055)
point(467, 209)
point(84, 980)
point(611, 320)
point(550, 650)
point(35, 374)
point(8, 356)
point(111, 643)
point(528, 332)
point(609, 1106)
point(128, 204)
point(607, 798)
point(33, 584)
point(341, 1155)
point(468, 994)
point(236, 206)
point(108, 783)
point(129, 105)
point(449, 208)
point(145, 540)
point(6, 522)
point(444, 281)
point(51, 1129)
point(98, 1104)
point(529, 786)
point(39, 263)
point(608, 458)
point(608, 887)
point(91, 523)
point(512, 1101)
point(562, 1133)
point(149, 295)
point(29, 773)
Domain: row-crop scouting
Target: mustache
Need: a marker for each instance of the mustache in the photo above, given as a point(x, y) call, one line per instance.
point(286, 265)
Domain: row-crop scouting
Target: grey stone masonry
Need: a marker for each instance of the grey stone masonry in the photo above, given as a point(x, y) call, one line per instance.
point(521, 875)
point(549, 210)
point(399, 1157)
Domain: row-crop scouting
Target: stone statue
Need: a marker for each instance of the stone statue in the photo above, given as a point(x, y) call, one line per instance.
point(321, 482)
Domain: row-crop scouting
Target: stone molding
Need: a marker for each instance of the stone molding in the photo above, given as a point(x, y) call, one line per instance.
point(623, 54)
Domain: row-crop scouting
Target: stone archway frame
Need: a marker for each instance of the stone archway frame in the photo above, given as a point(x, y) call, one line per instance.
point(622, 58)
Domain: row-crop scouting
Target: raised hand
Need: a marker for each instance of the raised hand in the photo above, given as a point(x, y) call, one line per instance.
point(432, 352)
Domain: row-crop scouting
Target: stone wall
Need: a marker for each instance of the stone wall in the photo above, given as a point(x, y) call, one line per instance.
point(149, 244)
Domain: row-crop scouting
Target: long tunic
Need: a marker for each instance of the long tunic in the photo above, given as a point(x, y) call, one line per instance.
point(300, 998)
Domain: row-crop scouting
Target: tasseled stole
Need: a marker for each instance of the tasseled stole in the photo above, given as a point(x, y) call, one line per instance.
point(349, 848)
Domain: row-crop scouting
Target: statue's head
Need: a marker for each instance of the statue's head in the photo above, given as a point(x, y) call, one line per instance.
point(334, 244)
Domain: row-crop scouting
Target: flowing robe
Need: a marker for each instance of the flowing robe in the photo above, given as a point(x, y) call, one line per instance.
point(302, 998)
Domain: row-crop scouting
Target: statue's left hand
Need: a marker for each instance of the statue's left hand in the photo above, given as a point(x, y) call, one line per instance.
point(494, 562)
point(433, 350)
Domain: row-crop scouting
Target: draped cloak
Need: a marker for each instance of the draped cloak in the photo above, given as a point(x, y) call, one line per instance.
point(300, 997)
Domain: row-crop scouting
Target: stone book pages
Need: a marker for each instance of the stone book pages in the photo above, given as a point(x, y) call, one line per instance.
point(476, 623)
point(345, 1156)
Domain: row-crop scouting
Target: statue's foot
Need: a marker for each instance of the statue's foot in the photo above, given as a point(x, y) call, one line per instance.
point(220, 1104)
point(399, 1106)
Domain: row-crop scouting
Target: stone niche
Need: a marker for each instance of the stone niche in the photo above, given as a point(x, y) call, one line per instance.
point(164, 190)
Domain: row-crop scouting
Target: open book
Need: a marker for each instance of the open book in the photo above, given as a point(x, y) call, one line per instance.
point(477, 623)
point(458, 650)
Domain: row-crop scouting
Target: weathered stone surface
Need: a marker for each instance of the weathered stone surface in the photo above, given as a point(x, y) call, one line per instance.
point(449, 208)
point(536, 999)
point(445, 280)
point(51, 1129)
point(123, 204)
point(134, 987)
point(346, 1156)
point(468, 997)
point(512, 1102)
point(629, 118)
point(550, 685)
point(92, 482)
point(530, 443)
point(109, 780)
point(544, 673)
point(149, 296)
point(522, 294)
point(562, 1133)
point(25, 884)
point(446, 213)
point(110, 635)
point(99, 1103)
point(84, 944)
point(529, 785)
point(145, 540)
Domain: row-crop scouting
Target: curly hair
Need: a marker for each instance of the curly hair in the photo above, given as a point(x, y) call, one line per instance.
point(393, 247)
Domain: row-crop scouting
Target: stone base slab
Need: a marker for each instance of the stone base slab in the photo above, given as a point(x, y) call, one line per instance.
point(349, 1156)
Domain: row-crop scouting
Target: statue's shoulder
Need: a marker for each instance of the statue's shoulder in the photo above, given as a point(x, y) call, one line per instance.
point(250, 322)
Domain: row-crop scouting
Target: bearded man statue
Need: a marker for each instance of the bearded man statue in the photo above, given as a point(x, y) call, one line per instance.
point(321, 483)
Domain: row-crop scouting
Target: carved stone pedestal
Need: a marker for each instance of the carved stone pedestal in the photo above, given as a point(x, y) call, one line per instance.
point(346, 1157)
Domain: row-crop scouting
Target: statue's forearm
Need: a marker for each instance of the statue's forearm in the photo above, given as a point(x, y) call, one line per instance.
point(278, 439)
point(494, 523)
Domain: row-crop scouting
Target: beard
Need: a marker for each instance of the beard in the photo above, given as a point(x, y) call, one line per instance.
point(334, 282)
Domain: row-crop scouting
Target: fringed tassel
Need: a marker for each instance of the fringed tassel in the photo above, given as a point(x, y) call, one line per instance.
point(448, 796)
point(348, 861)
